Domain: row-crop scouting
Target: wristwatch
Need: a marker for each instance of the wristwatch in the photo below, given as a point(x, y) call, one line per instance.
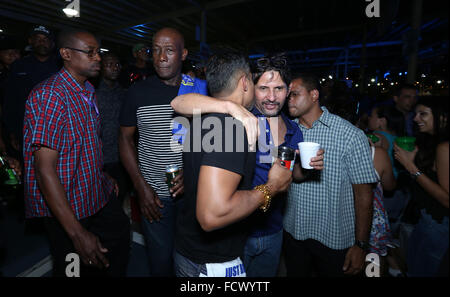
point(364, 245)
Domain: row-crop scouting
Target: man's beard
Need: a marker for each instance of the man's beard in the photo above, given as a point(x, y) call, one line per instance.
point(271, 113)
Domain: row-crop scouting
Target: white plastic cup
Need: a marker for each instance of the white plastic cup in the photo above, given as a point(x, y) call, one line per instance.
point(308, 150)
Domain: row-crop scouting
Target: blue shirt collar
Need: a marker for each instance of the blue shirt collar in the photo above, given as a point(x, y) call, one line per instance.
point(290, 128)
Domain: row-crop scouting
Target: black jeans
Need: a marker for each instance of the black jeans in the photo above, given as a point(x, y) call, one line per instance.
point(306, 258)
point(117, 171)
point(110, 225)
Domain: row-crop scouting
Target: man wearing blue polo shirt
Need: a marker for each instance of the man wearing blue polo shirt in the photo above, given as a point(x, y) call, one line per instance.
point(263, 248)
point(271, 77)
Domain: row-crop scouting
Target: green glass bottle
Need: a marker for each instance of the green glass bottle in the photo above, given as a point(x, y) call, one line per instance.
point(11, 177)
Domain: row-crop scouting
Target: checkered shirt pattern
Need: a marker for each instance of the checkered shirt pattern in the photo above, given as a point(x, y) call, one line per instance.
point(58, 117)
point(323, 209)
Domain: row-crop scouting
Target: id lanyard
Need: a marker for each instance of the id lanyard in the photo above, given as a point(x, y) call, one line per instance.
point(90, 102)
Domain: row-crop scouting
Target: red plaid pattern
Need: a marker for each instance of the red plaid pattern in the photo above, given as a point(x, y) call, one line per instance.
point(57, 117)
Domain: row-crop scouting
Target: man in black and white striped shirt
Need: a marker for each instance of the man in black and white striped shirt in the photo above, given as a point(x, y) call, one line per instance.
point(147, 110)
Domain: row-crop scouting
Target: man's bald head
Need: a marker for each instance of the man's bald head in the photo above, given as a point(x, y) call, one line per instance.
point(172, 32)
point(168, 55)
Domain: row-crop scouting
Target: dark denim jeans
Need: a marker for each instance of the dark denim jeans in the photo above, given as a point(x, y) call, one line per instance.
point(262, 255)
point(160, 236)
point(427, 246)
point(395, 207)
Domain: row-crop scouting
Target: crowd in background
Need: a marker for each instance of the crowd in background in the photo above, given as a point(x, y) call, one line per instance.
point(410, 192)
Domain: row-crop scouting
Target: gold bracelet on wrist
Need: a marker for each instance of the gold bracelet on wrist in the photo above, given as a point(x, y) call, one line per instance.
point(267, 196)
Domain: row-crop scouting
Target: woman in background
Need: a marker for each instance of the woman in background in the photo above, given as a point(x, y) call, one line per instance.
point(429, 165)
point(380, 235)
point(387, 123)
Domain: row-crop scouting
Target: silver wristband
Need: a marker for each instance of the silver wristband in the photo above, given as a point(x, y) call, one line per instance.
point(417, 174)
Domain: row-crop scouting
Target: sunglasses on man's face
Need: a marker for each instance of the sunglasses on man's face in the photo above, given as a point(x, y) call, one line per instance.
point(265, 62)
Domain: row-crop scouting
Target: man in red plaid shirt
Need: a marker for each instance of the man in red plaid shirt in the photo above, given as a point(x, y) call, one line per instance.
point(64, 182)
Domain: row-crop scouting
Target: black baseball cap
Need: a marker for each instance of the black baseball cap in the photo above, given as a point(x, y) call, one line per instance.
point(40, 29)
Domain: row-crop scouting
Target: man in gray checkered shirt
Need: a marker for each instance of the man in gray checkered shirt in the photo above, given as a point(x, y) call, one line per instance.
point(328, 215)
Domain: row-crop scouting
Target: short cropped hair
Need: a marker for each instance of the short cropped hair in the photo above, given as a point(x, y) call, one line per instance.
point(110, 55)
point(173, 30)
point(67, 37)
point(310, 81)
point(402, 87)
point(222, 72)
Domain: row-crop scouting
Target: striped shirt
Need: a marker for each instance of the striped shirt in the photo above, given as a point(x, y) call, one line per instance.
point(155, 145)
point(147, 107)
point(322, 208)
point(62, 115)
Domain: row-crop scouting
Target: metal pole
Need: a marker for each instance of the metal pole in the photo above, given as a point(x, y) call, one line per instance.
point(346, 63)
point(362, 69)
point(416, 18)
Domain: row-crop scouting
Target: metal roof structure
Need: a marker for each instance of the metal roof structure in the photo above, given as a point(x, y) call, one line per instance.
point(326, 35)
